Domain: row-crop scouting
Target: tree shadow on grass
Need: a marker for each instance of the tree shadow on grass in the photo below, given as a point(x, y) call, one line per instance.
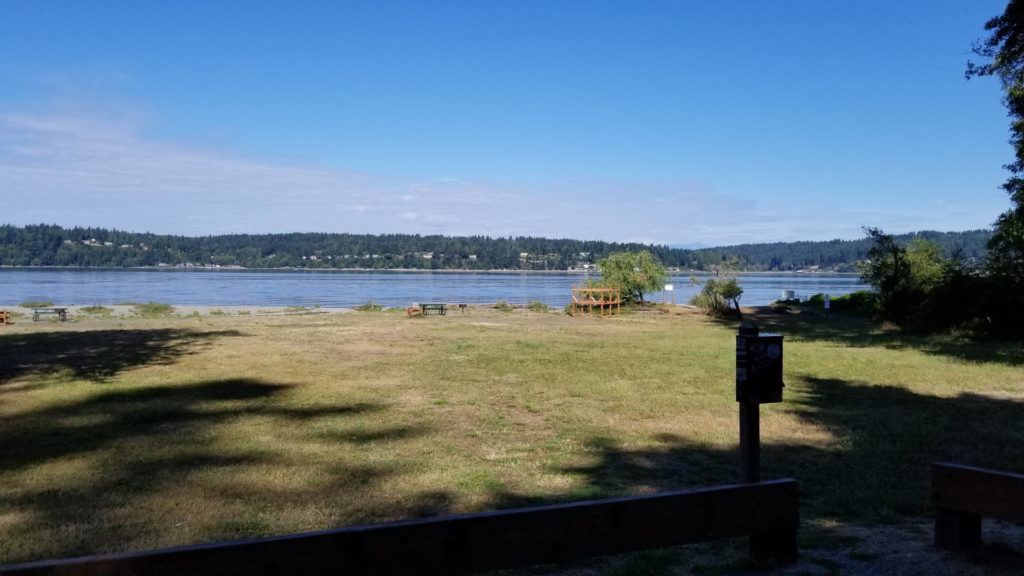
point(90, 460)
point(874, 470)
point(885, 437)
point(875, 466)
point(861, 333)
point(97, 355)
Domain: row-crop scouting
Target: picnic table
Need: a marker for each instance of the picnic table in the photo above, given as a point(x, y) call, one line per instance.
point(60, 313)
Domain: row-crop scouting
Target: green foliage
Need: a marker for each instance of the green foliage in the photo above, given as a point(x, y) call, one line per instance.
point(716, 294)
point(154, 310)
point(503, 306)
point(538, 307)
point(1004, 50)
point(633, 273)
point(47, 245)
point(903, 278)
point(861, 302)
point(36, 304)
point(99, 310)
point(370, 306)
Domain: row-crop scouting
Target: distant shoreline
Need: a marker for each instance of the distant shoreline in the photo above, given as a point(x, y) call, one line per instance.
point(412, 270)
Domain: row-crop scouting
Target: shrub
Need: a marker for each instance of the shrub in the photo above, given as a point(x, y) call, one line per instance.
point(861, 302)
point(370, 307)
point(503, 306)
point(538, 307)
point(36, 304)
point(101, 310)
point(715, 295)
point(154, 309)
point(710, 302)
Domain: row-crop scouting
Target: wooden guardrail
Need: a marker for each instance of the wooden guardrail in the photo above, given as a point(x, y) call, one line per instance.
point(963, 495)
point(766, 511)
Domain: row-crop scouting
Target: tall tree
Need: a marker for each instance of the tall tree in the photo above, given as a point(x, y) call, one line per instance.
point(1003, 51)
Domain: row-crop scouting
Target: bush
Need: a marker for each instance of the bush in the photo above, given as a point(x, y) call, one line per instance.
point(503, 306)
point(711, 303)
point(101, 310)
point(154, 309)
point(862, 302)
point(36, 304)
point(538, 307)
point(715, 296)
point(370, 307)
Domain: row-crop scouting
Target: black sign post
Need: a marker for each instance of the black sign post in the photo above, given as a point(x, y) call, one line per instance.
point(758, 381)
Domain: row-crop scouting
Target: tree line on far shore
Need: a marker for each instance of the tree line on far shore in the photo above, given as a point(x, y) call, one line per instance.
point(52, 245)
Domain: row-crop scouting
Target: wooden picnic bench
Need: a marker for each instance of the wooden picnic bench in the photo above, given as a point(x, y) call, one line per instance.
point(5, 317)
point(964, 494)
point(435, 307)
point(60, 313)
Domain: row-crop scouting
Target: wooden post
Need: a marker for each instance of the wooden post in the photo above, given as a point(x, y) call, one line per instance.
point(750, 442)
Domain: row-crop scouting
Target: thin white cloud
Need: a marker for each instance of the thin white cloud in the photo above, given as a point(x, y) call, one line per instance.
point(72, 168)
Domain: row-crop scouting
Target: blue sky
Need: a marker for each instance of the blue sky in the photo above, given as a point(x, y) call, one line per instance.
point(667, 122)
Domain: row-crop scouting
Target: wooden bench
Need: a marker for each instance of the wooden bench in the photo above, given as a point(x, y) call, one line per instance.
point(5, 317)
point(433, 307)
point(766, 512)
point(60, 313)
point(964, 494)
point(414, 311)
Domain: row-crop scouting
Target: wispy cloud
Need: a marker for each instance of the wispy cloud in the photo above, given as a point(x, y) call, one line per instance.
point(81, 169)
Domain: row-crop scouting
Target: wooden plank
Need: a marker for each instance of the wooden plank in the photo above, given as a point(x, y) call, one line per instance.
point(478, 542)
point(990, 493)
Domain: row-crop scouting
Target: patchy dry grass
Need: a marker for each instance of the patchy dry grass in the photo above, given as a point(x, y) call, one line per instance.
point(129, 434)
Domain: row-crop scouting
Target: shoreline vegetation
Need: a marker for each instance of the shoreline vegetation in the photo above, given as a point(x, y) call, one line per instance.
point(591, 272)
point(51, 245)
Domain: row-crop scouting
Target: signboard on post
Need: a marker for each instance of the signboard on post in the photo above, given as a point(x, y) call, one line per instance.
point(759, 368)
point(758, 381)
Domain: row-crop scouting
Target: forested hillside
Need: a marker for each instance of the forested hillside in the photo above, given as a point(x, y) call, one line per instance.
point(50, 245)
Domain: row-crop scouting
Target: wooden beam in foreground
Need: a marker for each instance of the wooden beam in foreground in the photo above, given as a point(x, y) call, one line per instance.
point(963, 495)
point(472, 543)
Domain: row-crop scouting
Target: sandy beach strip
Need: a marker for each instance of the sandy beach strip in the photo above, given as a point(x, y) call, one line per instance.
point(183, 310)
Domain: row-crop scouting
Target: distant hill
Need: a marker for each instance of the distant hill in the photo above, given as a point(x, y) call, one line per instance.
point(50, 245)
point(837, 255)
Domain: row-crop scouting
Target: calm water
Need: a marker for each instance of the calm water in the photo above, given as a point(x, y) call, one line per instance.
point(346, 289)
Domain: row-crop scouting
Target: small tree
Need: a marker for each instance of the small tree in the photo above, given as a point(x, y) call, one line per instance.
point(633, 273)
point(903, 277)
point(716, 294)
point(731, 291)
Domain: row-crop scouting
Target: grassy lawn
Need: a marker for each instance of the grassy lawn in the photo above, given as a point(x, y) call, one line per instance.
point(131, 434)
